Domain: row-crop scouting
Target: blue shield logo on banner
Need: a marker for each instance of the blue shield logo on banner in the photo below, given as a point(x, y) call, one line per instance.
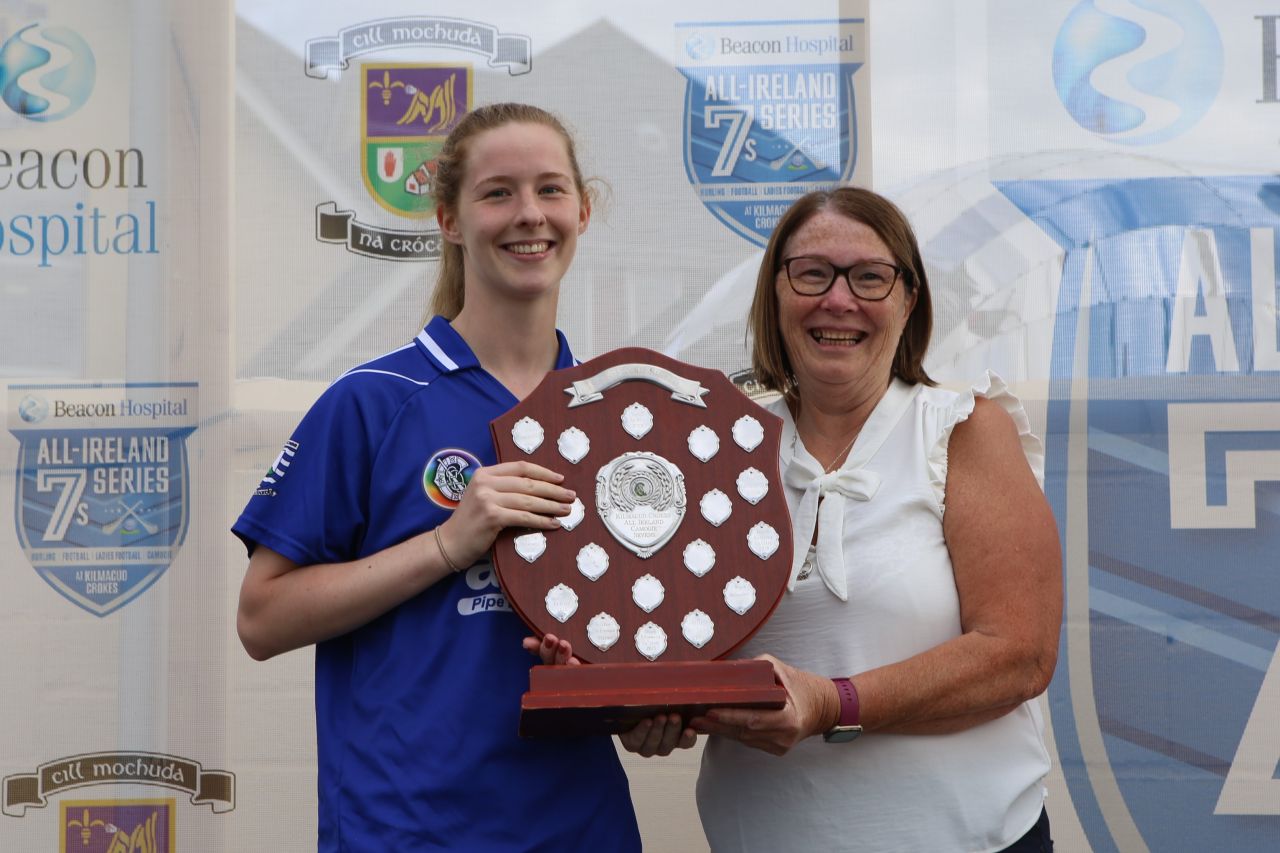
point(1163, 467)
point(769, 114)
point(746, 164)
point(102, 508)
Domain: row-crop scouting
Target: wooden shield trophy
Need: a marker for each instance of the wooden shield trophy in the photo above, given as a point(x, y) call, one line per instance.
point(678, 547)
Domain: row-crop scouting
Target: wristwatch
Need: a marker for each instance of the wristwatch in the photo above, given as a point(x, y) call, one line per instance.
point(847, 727)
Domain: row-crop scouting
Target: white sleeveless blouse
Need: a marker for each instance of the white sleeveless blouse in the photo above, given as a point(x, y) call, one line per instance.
point(976, 790)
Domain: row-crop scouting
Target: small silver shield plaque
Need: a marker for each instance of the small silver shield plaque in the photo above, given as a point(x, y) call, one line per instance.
point(562, 602)
point(577, 512)
point(697, 628)
point(651, 640)
point(637, 420)
point(603, 631)
point(531, 546)
point(640, 498)
point(593, 561)
point(527, 434)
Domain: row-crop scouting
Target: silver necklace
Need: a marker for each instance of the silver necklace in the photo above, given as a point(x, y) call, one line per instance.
point(841, 455)
point(806, 568)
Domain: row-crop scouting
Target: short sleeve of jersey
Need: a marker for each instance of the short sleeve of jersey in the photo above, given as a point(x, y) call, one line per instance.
point(312, 505)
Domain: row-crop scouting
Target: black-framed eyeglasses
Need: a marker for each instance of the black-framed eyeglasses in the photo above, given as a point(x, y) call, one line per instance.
point(870, 281)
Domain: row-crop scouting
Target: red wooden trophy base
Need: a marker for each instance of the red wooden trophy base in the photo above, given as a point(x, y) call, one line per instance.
point(609, 698)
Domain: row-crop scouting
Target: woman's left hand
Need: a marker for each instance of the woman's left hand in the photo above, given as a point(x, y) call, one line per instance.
point(813, 706)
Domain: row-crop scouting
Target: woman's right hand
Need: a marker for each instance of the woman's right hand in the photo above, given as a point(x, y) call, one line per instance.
point(509, 494)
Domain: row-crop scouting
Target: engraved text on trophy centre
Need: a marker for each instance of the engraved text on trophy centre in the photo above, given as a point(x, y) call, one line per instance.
point(641, 500)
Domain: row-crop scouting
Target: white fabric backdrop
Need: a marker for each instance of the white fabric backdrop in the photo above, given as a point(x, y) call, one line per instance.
point(1076, 171)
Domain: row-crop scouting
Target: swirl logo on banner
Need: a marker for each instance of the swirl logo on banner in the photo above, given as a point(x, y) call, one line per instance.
point(46, 72)
point(1137, 72)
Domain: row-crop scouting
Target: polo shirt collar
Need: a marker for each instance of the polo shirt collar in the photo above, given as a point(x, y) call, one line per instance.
point(446, 348)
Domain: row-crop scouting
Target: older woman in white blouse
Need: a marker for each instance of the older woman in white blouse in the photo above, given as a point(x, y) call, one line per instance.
point(924, 606)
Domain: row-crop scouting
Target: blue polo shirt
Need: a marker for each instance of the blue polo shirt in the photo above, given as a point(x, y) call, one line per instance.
point(417, 711)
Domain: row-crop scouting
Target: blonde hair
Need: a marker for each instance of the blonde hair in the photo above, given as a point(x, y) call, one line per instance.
point(769, 357)
point(448, 297)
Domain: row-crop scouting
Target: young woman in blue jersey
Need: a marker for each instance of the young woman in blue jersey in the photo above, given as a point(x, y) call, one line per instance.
point(369, 537)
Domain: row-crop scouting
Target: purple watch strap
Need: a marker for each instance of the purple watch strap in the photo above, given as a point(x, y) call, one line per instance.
point(849, 715)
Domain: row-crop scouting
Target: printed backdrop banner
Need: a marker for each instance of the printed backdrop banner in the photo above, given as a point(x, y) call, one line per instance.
point(1093, 185)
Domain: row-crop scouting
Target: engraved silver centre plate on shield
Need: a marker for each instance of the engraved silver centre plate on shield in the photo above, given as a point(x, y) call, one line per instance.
point(641, 500)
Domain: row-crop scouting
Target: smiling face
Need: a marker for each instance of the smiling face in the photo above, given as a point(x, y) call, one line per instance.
point(518, 214)
point(837, 343)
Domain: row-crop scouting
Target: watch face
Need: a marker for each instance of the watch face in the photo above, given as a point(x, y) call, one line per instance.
point(841, 734)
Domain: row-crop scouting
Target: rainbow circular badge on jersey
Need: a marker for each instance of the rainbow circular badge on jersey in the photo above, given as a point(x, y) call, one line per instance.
point(446, 476)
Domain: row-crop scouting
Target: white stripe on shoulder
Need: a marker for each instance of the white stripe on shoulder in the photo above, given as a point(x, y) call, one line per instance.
point(383, 373)
point(400, 349)
point(434, 349)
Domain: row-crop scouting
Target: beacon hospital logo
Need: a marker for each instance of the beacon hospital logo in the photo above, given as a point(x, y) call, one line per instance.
point(1163, 468)
point(61, 196)
point(769, 114)
point(46, 72)
point(407, 109)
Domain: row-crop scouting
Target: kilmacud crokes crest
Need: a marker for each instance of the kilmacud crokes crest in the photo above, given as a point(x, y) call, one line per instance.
point(119, 826)
point(102, 485)
point(640, 497)
point(408, 111)
point(685, 549)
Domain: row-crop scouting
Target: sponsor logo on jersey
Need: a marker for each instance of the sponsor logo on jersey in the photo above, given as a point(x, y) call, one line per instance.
point(407, 110)
point(1162, 465)
point(102, 485)
point(1137, 72)
point(46, 72)
point(482, 593)
point(446, 475)
point(118, 826)
point(770, 114)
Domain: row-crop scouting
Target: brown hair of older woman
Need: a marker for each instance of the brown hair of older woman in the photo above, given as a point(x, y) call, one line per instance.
point(447, 298)
point(768, 355)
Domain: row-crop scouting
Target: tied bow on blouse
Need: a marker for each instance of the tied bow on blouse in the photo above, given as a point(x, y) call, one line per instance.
point(823, 505)
point(826, 494)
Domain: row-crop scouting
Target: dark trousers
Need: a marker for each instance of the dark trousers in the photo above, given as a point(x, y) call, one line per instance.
point(1037, 839)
